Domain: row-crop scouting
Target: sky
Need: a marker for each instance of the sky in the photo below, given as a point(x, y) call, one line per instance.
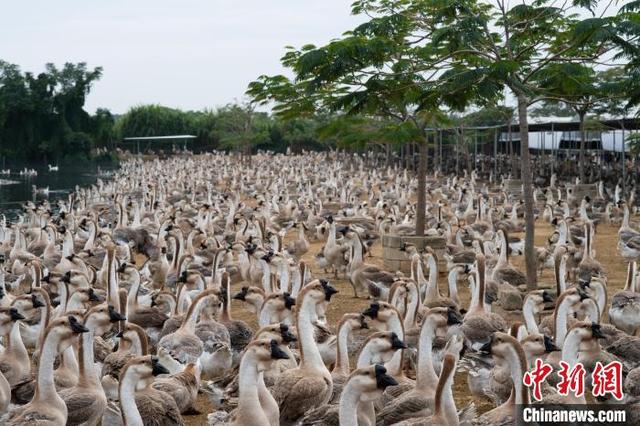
point(189, 54)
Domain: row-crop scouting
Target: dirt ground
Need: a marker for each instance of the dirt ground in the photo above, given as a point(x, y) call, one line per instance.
point(343, 302)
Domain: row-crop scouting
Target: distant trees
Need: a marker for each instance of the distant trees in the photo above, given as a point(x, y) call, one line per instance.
point(237, 127)
point(42, 116)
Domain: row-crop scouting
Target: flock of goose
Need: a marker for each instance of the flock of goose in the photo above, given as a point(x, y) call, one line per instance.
point(115, 304)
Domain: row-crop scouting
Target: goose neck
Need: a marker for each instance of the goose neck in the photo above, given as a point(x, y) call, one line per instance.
point(560, 321)
point(529, 316)
point(349, 401)
point(518, 364)
point(45, 387)
point(426, 378)
point(309, 353)
point(129, 410)
point(342, 358)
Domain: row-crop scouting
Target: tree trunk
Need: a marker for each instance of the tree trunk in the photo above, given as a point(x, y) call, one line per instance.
point(527, 183)
point(422, 188)
point(583, 136)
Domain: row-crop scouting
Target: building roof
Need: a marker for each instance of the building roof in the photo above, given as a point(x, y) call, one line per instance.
point(152, 138)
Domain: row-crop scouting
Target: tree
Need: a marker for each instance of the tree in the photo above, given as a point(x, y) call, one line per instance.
point(384, 68)
point(517, 46)
point(41, 114)
point(241, 127)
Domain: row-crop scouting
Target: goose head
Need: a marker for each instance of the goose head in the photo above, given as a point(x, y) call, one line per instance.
point(586, 331)
point(501, 345)
point(443, 318)
point(278, 331)
point(537, 299)
point(381, 313)
point(381, 346)
point(142, 367)
point(355, 321)
point(250, 294)
point(8, 316)
point(369, 382)
point(264, 351)
point(536, 345)
point(100, 318)
point(318, 290)
point(64, 329)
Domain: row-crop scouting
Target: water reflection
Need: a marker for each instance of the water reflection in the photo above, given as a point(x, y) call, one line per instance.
point(17, 187)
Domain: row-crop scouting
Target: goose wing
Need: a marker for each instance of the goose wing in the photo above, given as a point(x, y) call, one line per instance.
point(80, 404)
point(407, 406)
point(147, 316)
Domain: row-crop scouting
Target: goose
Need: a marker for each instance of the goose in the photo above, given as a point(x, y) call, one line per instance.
point(348, 409)
point(419, 401)
point(628, 238)
point(432, 296)
point(181, 386)
point(580, 333)
point(255, 407)
point(299, 247)
point(366, 276)
point(624, 312)
point(46, 405)
point(333, 252)
point(507, 347)
point(133, 342)
point(443, 414)
point(87, 401)
point(588, 266)
point(15, 364)
point(239, 332)
point(340, 372)
point(5, 386)
point(149, 317)
point(478, 324)
point(149, 405)
point(183, 344)
point(534, 303)
point(504, 271)
point(309, 385)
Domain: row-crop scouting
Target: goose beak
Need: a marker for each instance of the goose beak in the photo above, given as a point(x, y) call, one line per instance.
point(329, 290)
point(287, 336)
point(95, 297)
point(36, 302)
point(115, 316)
point(453, 317)
point(276, 352)
point(240, 296)
point(76, 326)
point(363, 322)
point(122, 268)
point(486, 348)
point(288, 301)
point(383, 380)
point(66, 278)
point(396, 343)
point(583, 295)
point(596, 330)
point(372, 311)
point(15, 315)
point(549, 346)
point(546, 297)
point(157, 367)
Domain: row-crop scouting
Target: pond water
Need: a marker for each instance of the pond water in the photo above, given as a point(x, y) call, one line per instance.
point(15, 188)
